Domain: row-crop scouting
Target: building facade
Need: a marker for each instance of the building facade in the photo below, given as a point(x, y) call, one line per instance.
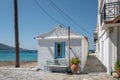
point(53, 51)
point(107, 33)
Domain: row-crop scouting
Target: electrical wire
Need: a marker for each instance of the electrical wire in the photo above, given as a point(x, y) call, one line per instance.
point(46, 12)
point(59, 10)
point(65, 16)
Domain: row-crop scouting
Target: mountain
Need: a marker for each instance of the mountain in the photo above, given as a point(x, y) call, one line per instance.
point(5, 47)
point(9, 48)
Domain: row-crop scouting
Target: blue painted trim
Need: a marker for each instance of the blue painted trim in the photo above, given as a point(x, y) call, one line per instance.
point(63, 49)
point(55, 50)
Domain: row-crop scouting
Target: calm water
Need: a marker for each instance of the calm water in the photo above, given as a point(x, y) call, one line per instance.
point(24, 56)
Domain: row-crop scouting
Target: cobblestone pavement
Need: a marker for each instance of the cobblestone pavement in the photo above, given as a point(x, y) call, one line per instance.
point(29, 74)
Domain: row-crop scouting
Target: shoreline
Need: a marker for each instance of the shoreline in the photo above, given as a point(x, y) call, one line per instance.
point(23, 64)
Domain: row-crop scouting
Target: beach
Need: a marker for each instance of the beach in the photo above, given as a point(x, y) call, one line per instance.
point(23, 64)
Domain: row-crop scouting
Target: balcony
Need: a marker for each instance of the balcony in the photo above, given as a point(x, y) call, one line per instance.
point(95, 35)
point(110, 11)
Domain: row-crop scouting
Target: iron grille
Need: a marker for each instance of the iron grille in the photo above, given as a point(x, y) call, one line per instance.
point(110, 11)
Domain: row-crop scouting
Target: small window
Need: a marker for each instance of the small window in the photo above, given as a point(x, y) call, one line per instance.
point(59, 50)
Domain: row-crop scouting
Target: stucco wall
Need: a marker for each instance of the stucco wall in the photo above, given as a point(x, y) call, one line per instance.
point(108, 49)
point(46, 50)
point(107, 40)
point(84, 52)
point(118, 53)
point(113, 48)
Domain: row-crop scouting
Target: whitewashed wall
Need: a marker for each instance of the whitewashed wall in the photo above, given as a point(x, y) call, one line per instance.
point(46, 50)
point(118, 42)
point(113, 48)
point(108, 49)
point(108, 41)
point(84, 52)
point(105, 54)
point(107, 1)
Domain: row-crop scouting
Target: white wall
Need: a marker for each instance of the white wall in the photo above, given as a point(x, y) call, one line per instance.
point(108, 41)
point(104, 48)
point(113, 48)
point(118, 53)
point(108, 49)
point(46, 50)
point(107, 1)
point(84, 52)
point(100, 5)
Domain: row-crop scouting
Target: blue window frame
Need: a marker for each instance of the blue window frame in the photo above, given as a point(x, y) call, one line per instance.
point(59, 50)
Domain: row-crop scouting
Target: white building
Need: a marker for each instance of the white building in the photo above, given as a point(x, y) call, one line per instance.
point(107, 34)
point(53, 49)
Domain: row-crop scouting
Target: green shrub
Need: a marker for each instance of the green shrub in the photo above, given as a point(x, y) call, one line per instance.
point(75, 61)
point(117, 65)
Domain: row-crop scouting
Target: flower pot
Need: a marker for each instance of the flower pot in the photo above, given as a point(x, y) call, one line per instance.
point(74, 68)
point(118, 71)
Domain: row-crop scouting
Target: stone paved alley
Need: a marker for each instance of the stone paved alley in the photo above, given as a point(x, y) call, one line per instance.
point(93, 65)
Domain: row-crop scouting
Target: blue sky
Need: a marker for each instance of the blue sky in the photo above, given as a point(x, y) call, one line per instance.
point(33, 21)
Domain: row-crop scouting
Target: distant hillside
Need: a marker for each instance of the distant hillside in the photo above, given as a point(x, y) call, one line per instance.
point(9, 48)
point(5, 47)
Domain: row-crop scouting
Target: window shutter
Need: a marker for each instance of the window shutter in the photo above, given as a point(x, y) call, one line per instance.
point(63, 49)
point(55, 50)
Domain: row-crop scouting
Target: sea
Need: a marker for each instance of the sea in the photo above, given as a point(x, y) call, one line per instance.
point(9, 56)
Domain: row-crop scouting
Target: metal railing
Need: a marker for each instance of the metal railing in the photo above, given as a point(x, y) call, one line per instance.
point(95, 35)
point(110, 11)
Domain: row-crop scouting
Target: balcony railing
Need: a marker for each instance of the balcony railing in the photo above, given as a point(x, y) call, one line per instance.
point(110, 11)
point(95, 35)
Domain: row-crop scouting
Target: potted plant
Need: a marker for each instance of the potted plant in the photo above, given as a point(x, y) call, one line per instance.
point(74, 64)
point(117, 66)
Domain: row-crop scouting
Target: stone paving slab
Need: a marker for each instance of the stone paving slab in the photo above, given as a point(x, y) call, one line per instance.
point(19, 74)
point(93, 65)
